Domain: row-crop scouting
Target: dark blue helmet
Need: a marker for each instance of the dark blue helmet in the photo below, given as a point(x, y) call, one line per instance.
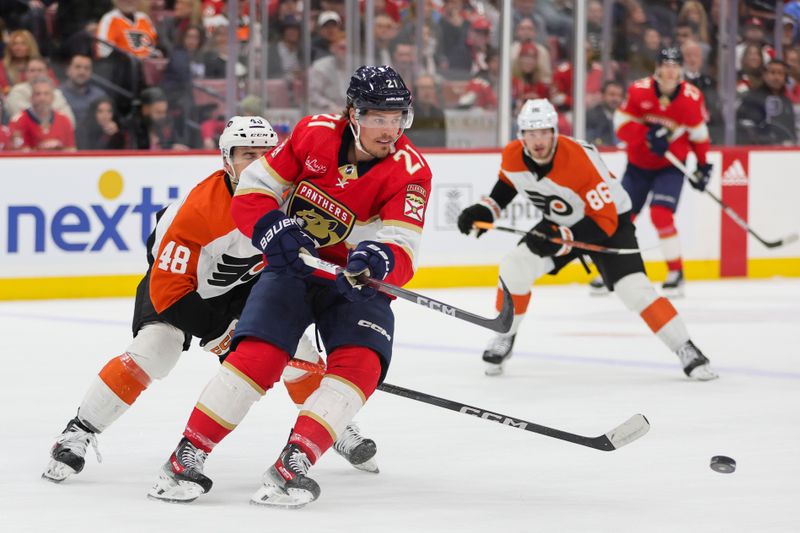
point(378, 88)
point(670, 55)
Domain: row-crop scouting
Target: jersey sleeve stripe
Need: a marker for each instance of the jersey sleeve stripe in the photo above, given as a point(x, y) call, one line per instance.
point(621, 118)
point(402, 224)
point(274, 173)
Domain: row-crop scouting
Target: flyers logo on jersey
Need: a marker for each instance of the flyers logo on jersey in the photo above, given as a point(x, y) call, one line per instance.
point(323, 218)
point(138, 40)
point(414, 206)
point(231, 270)
point(554, 205)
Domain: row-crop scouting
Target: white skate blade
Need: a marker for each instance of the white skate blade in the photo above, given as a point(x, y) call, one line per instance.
point(270, 495)
point(168, 489)
point(493, 369)
point(599, 291)
point(370, 465)
point(703, 373)
point(57, 472)
point(677, 292)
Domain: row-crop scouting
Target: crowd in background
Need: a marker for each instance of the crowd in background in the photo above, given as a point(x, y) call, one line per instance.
point(150, 74)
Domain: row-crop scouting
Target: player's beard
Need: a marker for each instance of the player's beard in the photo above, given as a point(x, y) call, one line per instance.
point(380, 150)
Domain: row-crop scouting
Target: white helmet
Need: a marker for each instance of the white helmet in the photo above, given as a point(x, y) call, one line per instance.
point(246, 131)
point(538, 114)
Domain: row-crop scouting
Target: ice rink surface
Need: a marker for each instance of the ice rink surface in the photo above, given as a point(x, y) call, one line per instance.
point(581, 364)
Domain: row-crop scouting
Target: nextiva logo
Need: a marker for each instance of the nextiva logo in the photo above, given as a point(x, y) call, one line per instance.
point(72, 227)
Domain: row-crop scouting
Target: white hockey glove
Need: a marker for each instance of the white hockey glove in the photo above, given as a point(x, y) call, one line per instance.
point(222, 344)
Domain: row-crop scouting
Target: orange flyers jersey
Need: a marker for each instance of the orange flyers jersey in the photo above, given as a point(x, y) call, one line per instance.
point(340, 208)
point(198, 248)
point(578, 185)
point(137, 36)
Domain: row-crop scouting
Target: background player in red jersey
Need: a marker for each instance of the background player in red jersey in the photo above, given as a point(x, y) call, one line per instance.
point(580, 200)
point(661, 113)
point(352, 189)
point(201, 272)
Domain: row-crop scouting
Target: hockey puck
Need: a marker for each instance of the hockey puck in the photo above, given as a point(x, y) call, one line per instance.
point(722, 464)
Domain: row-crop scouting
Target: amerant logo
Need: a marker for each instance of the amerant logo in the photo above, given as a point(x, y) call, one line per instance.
point(316, 166)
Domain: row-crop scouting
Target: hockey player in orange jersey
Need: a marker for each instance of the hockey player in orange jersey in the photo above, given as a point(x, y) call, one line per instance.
point(201, 272)
point(581, 201)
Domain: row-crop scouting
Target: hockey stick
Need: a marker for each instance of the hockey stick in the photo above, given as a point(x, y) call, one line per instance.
point(575, 244)
point(727, 209)
point(501, 323)
point(630, 430)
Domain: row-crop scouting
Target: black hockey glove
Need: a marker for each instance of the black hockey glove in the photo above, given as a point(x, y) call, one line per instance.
point(281, 239)
point(479, 212)
point(375, 259)
point(538, 243)
point(658, 139)
point(699, 180)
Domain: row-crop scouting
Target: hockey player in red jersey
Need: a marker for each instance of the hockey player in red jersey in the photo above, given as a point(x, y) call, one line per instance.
point(352, 189)
point(662, 113)
point(201, 272)
point(579, 200)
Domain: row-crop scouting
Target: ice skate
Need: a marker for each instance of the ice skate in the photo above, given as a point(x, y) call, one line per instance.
point(181, 479)
point(69, 451)
point(673, 286)
point(597, 287)
point(285, 483)
point(496, 353)
point(359, 451)
point(695, 364)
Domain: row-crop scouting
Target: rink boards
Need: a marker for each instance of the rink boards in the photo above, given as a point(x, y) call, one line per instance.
point(75, 226)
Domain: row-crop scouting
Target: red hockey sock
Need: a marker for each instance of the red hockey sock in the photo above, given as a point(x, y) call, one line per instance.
point(226, 399)
point(664, 222)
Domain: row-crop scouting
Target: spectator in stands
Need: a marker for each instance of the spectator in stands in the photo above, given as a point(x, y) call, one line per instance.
point(750, 75)
point(454, 25)
point(481, 91)
point(99, 129)
point(792, 58)
point(77, 89)
point(40, 127)
point(403, 61)
point(430, 127)
point(526, 33)
point(5, 133)
point(216, 57)
point(329, 26)
point(789, 35)
point(284, 55)
point(152, 127)
point(20, 96)
point(71, 19)
point(526, 79)
point(526, 9)
point(766, 115)
point(693, 72)
point(687, 31)
point(187, 13)
point(328, 78)
point(693, 13)
point(629, 29)
point(642, 58)
point(753, 35)
point(283, 13)
point(594, 23)
point(337, 6)
point(129, 30)
point(478, 42)
point(600, 118)
point(385, 32)
point(431, 56)
point(561, 89)
point(21, 48)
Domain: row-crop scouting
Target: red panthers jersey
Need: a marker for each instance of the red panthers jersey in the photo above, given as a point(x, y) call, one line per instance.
point(684, 115)
point(303, 176)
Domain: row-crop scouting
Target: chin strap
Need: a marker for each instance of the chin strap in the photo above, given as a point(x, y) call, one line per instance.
point(356, 131)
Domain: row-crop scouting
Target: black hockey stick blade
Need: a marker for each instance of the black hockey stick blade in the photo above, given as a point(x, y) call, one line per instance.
point(634, 428)
point(501, 323)
point(733, 215)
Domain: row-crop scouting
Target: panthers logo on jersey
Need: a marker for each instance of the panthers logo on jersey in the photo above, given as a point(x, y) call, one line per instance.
point(326, 220)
